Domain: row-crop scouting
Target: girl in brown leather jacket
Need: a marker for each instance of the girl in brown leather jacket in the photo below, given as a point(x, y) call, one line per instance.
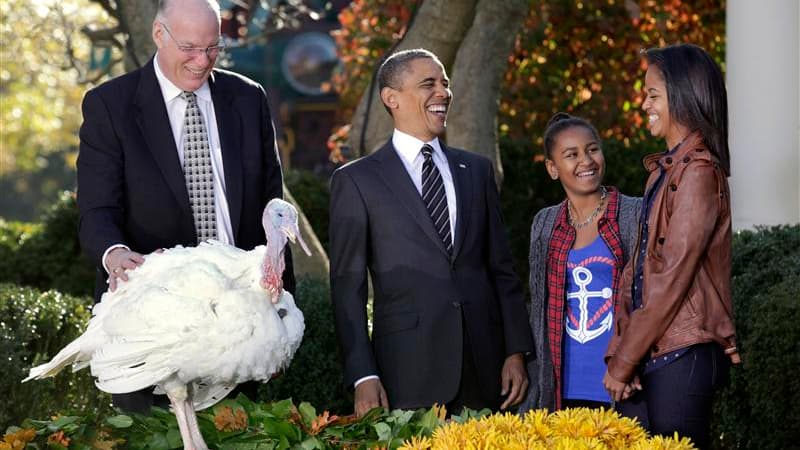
point(674, 320)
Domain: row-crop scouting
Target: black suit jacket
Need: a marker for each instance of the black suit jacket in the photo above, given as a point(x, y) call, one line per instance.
point(131, 188)
point(422, 296)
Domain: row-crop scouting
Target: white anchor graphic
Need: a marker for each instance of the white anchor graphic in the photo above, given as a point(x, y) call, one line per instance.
point(582, 334)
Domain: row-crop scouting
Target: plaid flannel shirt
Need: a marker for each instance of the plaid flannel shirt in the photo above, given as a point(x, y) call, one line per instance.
point(561, 243)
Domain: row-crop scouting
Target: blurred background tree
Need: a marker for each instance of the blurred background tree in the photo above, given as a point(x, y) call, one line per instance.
point(40, 85)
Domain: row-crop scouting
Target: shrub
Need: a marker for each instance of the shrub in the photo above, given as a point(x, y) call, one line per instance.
point(315, 374)
point(313, 196)
point(242, 424)
point(756, 408)
point(47, 256)
point(34, 327)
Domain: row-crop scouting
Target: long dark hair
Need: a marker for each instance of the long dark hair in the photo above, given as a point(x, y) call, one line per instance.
point(696, 94)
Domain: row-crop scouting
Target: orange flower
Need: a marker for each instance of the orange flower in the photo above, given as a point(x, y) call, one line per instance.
point(225, 419)
point(321, 422)
point(18, 440)
point(58, 438)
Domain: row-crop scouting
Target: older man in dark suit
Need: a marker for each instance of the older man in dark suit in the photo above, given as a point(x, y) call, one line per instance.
point(424, 220)
point(175, 152)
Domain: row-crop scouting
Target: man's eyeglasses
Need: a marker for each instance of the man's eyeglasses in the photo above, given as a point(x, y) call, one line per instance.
point(211, 52)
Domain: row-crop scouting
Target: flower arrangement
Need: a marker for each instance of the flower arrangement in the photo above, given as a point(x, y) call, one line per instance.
point(579, 428)
point(241, 423)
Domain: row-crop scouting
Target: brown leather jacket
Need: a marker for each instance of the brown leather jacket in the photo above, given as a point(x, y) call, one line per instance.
point(686, 295)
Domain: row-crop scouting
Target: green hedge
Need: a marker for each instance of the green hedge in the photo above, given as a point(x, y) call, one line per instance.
point(759, 407)
point(315, 374)
point(47, 255)
point(34, 325)
point(312, 194)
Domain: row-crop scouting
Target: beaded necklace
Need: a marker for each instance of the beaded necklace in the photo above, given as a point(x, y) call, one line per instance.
point(572, 211)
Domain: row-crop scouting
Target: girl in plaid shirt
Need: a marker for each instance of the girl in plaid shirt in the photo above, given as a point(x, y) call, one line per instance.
point(578, 250)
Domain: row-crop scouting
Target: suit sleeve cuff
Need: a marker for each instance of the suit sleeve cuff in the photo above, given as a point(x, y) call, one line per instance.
point(366, 378)
point(108, 250)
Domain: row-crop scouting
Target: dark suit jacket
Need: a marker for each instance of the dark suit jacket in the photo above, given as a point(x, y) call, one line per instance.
point(422, 296)
point(131, 188)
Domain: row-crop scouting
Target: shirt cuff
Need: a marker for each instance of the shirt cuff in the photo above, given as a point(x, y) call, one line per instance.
point(363, 379)
point(108, 250)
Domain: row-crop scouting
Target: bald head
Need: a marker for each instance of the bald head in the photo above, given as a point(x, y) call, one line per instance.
point(187, 34)
point(168, 8)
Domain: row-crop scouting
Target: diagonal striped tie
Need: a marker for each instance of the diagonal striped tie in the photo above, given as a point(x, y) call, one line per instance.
point(435, 198)
point(197, 170)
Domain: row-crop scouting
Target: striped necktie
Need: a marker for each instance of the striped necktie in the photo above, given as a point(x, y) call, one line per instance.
point(197, 170)
point(435, 198)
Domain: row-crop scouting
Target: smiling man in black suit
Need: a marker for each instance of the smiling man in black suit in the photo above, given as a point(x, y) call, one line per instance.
point(174, 153)
point(424, 220)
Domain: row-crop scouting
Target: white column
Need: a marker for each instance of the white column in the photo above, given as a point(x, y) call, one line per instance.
point(763, 79)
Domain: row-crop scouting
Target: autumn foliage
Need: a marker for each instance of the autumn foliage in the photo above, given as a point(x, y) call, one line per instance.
point(581, 56)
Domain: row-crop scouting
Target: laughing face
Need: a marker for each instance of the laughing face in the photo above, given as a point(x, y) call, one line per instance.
point(656, 106)
point(191, 26)
point(419, 105)
point(577, 161)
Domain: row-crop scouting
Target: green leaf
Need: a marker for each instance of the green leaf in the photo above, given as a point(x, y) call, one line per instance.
point(402, 417)
point(174, 438)
point(281, 430)
point(312, 443)
point(120, 421)
point(158, 441)
point(61, 422)
point(307, 412)
point(282, 409)
point(384, 431)
point(248, 404)
point(429, 421)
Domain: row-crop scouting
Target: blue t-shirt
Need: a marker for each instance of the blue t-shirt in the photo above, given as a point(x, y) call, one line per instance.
point(588, 321)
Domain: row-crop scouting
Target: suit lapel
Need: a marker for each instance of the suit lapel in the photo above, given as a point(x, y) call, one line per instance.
point(154, 125)
point(229, 127)
point(394, 174)
point(462, 180)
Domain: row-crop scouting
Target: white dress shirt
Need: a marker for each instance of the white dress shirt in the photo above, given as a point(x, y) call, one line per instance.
point(409, 149)
point(176, 110)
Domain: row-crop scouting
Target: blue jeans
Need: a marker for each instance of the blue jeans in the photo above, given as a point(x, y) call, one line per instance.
point(678, 396)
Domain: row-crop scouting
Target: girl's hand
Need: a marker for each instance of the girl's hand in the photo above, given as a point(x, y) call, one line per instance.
point(615, 388)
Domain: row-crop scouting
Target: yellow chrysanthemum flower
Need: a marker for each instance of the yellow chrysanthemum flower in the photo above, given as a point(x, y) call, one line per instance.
point(569, 429)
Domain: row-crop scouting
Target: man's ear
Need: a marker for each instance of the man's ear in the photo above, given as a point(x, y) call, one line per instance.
point(389, 97)
point(551, 168)
point(158, 34)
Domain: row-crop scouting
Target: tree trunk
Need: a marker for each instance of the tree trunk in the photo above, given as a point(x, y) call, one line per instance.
point(478, 70)
point(136, 19)
point(439, 26)
point(316, 265)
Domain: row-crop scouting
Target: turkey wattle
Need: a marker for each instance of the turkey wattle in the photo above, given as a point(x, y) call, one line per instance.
point(194, 322)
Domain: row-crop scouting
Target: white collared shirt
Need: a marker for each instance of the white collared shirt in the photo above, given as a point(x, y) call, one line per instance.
point(176, 109)
point(409, 149)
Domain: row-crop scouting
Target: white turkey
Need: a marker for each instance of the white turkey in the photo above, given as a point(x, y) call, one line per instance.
point(194, 322)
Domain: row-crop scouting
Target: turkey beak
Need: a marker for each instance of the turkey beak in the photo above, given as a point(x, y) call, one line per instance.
point(293, 233)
